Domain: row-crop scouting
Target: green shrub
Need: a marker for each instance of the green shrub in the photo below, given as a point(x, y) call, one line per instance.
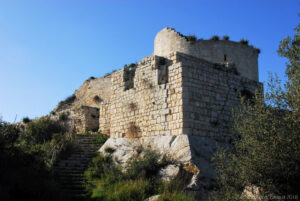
point(23, 175)
point(101, 140)
point(70, 99)
point(106, 181)
point(215, 38)
point(144, 166)
point(8, 134)
point(244, 41)
point(63, 116)
point(192, 38)
point(40, 131)
point(26, 120)
point(225, 38)
point(99, 167)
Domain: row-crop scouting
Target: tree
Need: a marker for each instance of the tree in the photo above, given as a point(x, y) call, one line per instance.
point(266, 137)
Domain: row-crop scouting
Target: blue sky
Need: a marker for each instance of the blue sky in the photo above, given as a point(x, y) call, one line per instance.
point(48, 48)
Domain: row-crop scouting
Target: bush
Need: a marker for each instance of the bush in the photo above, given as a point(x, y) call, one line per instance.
point(146, 165)
point(225, 38)
point(244, 41)
point(40, 131)
point(266, 140)
point(63, 116)
point(8, 134)
point(192, 38)
point(215, 38)
point(26, 120)
point(101, 140)
point(99, 167)
point(23, 176)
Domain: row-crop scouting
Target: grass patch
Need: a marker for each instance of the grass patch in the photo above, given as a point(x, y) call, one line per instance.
point(106, 181)
point(133, 130)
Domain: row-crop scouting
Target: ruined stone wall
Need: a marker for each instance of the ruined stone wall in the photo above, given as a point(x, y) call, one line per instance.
point(150, 108)
point(210, 92)
point(93, 92)
point(243, 56)
point(86, 119)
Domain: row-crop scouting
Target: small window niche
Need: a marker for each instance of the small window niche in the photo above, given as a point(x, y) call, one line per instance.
point(162, 71)
point(128, 76)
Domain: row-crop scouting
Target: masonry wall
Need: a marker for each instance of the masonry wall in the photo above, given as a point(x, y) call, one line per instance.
point(87, 119)
point(149, 108)
point(243, 56)
point(210, 92)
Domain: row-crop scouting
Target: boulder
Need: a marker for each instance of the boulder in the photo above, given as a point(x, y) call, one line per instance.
point(192, 152)
point(169, 172)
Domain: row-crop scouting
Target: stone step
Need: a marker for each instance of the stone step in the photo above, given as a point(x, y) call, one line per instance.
point(70, 171)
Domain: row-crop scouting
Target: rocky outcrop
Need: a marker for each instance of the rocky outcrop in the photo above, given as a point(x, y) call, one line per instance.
point(192, 152)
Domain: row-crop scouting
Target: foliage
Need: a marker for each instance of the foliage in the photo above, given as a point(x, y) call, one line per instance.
point(225, 38)
point(70, 99)
point(40, 131)
point(63, 116)
point(122, 190)
point(215, 38)
point(146, 165)
point(8, 135)
point(106, 181)
point(101, 140)
point(176, 196)
point(26, 120)
point(191, 38)
point(23, 177)
point(266, 140)
point(244, 41)
point(99, 167)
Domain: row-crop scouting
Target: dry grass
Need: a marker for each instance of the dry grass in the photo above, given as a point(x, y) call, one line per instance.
point(191, 168)
point(147, 84)
point(132, 107)
point(133, 130)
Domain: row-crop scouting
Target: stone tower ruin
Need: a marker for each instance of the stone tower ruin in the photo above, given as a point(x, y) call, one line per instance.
point(186, 87)
point(178, 100)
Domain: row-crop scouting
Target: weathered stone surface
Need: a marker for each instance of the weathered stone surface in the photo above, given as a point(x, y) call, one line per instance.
point(169, 172)
point(153, 198)
point(245, 57)
point(193, 152)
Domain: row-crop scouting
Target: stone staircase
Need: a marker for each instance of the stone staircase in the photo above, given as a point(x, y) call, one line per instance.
point(70, 171)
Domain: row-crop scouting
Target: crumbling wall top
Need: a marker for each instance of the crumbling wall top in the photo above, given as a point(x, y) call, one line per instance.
point(244, 57)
